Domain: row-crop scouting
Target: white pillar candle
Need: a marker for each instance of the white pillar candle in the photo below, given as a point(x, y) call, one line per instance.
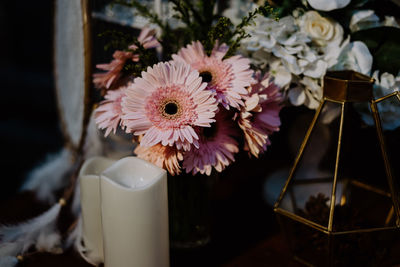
point(89, 179)
point(134, 207)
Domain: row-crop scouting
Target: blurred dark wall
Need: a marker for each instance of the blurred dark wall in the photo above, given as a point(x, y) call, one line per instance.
point(29, 125)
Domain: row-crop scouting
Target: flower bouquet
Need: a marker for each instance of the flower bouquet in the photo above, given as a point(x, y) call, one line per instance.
point(192, 110)
point(191, 102)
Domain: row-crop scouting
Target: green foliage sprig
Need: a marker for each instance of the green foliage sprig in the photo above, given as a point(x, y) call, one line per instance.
point(147, 57)
point(117, 40)
point(196, 15)
point(221, 31)
point(122, 41)
point(200, 24)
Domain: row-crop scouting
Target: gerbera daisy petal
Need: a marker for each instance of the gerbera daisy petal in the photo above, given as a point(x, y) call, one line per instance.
point(226, 78)
point(108, 114)
point(166, 157)
point(219, 51)
point(216, 147)
point(147, 38)
point(259, 120)
point(114, 69)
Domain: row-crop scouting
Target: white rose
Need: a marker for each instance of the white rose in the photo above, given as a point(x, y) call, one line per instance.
point(321, 30)
point(328, 5)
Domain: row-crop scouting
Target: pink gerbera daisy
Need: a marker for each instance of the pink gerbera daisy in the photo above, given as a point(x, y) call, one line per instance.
point(114, 70)
point(108, 113)
point(227, 78)
point(259, 118)
point(147, 38)
point(166, 103)
point(217, 147)
point(166, 157)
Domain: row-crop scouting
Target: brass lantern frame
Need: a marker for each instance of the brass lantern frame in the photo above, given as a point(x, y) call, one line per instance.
point(344, 88)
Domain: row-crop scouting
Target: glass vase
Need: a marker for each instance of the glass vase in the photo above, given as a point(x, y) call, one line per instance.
point(189, 204)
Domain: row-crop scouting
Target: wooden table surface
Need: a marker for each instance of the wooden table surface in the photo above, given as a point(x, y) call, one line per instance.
point(270, 251)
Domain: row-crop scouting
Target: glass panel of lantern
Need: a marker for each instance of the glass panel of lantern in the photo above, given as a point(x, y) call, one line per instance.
point(336, 206)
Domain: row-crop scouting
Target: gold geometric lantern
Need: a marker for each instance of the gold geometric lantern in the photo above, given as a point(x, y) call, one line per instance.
point(345, 210)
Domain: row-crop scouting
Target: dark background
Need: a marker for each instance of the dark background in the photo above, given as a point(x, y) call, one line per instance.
point(29, 126)
point(30, 129)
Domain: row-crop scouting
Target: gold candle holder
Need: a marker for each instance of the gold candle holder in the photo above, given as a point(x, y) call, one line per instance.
point(346, 211)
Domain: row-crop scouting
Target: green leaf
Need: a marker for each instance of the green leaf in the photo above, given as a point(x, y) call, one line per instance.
point(384, 45)
point(286, 7)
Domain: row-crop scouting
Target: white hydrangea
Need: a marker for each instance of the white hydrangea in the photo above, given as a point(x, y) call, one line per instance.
point(390, 21)
point(389, 109)
point(366, 19)
point(363, 19)
point(355, 56)
point(297, 50)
